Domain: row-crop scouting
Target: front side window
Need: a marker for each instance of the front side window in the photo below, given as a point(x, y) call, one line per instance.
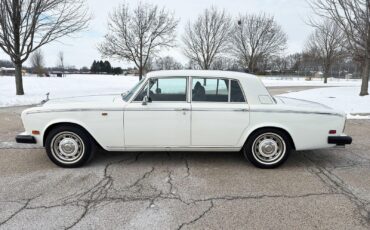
point(164, 89)
point(210, 90)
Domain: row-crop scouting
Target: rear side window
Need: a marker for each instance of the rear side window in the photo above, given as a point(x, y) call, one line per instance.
point(210, 90)
point(236, 92)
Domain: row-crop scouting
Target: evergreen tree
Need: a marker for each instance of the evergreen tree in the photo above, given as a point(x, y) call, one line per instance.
point(93, 68)
point(107, 67)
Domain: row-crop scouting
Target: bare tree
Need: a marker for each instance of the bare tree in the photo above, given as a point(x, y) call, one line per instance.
point(208, 37)
point(353, 17)
point(256, 37)
point(328, 41)
point(60, 62)
point(278, 64)
point(37, 62)
point(26, 25)
point(167, 63)
point(137, 35)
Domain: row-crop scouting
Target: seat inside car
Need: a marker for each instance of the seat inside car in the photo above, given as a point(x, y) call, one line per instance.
point(199, 92)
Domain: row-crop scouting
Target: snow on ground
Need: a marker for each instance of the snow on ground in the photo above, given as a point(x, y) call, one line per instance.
point(346, 99)
point(72, 85)
point(344, 96)
point(278, 81)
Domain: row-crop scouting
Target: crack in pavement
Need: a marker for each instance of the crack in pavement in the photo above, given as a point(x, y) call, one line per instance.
point(99, 193)
point(24, 207)
point(197, 218)
point(16, 212)
point(336, 184)
point(186, 165)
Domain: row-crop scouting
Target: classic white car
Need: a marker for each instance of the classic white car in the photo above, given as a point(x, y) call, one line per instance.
point(184, 111)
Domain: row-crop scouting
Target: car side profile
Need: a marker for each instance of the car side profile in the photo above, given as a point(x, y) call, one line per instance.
point(184, 110)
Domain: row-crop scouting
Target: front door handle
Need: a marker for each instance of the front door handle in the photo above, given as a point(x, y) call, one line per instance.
point(183, 109)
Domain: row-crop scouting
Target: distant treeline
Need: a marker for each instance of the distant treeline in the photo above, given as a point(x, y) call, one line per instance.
point(105, 67)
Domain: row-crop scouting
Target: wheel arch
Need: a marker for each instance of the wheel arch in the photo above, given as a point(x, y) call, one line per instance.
point(65, 123)
point(271, 127)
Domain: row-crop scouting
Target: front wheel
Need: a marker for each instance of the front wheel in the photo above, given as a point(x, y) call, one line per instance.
point(267, 148)
point(69, 146)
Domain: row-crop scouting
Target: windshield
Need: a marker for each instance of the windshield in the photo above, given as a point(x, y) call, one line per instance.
point(126, 96)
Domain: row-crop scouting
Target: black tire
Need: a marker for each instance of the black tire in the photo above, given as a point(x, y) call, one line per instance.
point(267, 148)
point(73, 137)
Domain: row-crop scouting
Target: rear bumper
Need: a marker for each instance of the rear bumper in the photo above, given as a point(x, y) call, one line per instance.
point(25, 139)
point(340, 140)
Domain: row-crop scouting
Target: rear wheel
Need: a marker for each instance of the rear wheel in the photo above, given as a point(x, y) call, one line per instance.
point(267, 148)
point(69, 146)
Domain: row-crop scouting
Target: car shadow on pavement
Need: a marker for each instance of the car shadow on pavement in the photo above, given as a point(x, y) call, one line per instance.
point(211, 159)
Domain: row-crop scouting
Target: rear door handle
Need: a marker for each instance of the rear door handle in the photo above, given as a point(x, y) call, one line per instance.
point(241, 110)
point(183, 109)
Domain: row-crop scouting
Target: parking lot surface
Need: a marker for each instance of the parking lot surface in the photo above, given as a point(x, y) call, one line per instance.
point(325, 189)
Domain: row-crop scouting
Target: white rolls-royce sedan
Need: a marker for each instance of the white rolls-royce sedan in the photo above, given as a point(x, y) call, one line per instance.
point(184, 111)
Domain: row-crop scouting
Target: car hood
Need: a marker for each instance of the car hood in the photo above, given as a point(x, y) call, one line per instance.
point(95, 99)
point(99, 102)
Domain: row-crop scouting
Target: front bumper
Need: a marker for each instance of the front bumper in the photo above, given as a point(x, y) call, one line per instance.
point(340, 140)
point(25, 139)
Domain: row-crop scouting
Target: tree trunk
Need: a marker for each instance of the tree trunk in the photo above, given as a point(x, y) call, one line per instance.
point(365, 77)
point(18, 78)
point(326, 73)
point(140, 73)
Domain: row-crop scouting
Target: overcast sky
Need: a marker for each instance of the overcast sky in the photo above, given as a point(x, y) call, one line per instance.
point(81, 50)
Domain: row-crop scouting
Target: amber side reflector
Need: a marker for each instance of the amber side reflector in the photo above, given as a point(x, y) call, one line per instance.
point(35, 132)
point(332, 131)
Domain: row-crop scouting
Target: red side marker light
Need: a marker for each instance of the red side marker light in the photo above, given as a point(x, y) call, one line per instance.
point(332, 131)
point(35, 132)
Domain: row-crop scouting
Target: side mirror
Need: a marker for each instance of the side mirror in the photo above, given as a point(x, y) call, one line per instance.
point(145, 100)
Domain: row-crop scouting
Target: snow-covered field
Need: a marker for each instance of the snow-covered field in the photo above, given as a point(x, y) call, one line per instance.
point(301, 81)
point(341, 98)
point(73, 85)
point(343, 94)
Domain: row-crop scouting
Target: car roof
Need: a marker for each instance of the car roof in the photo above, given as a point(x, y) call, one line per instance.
point(200, 73)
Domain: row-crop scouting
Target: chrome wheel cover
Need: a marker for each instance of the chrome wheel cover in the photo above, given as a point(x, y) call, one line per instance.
point(67, 147)
point(269, 148)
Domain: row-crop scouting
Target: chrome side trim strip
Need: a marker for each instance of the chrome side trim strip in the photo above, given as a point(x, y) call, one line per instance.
point(219, 110)
point(295, 111)
point(137, 109)
point(184, 109)
point(76, 110)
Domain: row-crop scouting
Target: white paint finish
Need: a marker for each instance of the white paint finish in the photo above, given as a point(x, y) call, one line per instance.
point(157, 124)
point(218, 124)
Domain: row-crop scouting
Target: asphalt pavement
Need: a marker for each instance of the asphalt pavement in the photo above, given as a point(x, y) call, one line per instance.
point(322, 189)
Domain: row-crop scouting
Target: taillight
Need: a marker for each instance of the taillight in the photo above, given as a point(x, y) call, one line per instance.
point(332, 131)
point(35, 132)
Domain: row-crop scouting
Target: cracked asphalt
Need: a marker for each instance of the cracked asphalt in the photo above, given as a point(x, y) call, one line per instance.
point(323, 189)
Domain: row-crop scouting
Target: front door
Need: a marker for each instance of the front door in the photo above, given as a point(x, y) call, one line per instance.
point(164, 121)
point(220, 113)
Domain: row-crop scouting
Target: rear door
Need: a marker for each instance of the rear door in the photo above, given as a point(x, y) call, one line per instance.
point(220, 112)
